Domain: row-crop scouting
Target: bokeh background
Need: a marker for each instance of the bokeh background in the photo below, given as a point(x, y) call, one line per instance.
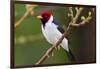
point(30, 45)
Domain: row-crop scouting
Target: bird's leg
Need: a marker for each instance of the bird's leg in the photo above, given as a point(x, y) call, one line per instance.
point(55, 46)
point(47, 53)
point(48, 56)
point(59, 47)
point(52, 54)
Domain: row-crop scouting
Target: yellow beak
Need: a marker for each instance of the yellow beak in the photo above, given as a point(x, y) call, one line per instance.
point(39, 17)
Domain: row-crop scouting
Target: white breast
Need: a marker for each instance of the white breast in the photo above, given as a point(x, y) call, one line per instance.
point(52, 35)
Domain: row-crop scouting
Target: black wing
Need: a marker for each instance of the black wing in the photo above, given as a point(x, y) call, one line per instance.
point(62, 31)
point(59, 27)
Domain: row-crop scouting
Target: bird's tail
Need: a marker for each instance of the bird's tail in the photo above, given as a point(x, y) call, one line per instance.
point(70, 55)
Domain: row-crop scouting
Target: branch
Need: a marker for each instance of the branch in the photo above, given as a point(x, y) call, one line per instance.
point(71, 13)
point(57, 44)
point(51, 49)
point(84, 20)
point(21, 19)
point(28, 11)
point(78, 11)
point(82, 23)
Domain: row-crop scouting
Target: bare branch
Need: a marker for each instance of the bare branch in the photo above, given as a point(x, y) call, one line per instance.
point(82, 23)
point(71, 12)
point(28, 11)
point(21, 19)
point(76, 8)
point(77, 14)
point(57, 44)
point(84, 20)
point(51, 49)
point(29, 8)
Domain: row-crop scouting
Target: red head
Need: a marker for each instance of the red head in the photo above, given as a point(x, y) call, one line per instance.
point(45, 16)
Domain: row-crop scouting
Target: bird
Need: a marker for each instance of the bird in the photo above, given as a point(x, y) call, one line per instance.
point(53, 31)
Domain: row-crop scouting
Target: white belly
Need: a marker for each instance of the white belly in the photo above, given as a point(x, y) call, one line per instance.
point(52, 35)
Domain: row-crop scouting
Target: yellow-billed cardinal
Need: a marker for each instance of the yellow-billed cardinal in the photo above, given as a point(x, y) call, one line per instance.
point(52, 31)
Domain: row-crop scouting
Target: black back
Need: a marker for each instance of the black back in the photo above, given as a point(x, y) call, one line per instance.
point(59, 26)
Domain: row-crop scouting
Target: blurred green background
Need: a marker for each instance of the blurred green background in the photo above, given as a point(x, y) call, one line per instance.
point(30, 45)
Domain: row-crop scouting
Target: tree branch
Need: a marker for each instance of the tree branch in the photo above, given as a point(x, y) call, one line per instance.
point(84, 20)
point(82, 23)
point(68, 30)
point(21, 19)
point(71, 13)
point(28, 11)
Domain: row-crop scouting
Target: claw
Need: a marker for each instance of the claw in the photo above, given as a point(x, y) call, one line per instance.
point(52, 54)
point(48, 56)
point(58, 47)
